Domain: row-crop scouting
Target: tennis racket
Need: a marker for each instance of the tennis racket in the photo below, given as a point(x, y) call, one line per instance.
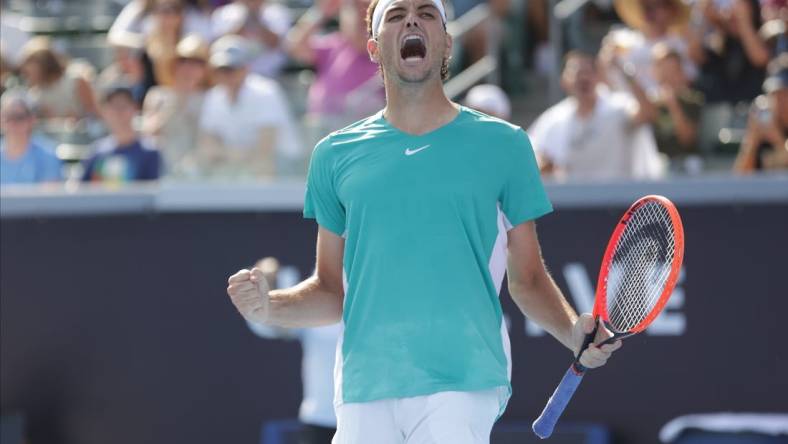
point(639, 270)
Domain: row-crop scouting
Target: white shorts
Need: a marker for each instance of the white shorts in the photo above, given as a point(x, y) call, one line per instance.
point(440, 418)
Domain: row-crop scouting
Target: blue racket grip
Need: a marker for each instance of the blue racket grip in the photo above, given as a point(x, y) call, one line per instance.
point(545, 423)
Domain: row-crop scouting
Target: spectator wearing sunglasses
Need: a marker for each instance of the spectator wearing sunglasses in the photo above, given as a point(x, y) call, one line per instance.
point(22, 161)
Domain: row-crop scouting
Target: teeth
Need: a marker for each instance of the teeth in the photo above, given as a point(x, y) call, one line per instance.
point(414, 37)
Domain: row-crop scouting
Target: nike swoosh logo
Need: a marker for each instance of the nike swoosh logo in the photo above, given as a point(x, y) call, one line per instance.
point(410, 152)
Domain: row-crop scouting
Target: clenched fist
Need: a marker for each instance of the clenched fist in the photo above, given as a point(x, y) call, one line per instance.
point(594, 356)
point(248, 291)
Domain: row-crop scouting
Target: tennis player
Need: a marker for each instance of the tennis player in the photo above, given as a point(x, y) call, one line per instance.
point(421, 209)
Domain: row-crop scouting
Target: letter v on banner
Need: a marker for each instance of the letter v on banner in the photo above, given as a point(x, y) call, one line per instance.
point(581, 291)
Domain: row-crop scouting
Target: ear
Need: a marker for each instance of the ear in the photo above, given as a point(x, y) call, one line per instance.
point(449, 45)
point(373, 50)
point(564, 83)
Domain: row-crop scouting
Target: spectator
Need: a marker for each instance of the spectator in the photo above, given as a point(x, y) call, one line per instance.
point(765, 145)
point(594, 134)
point(137, 17)
point(122, 156)
point(773, 31)
point(246, 119)
point(489, 99)
point(171, 115)
point(21, 159)
point(261, 22)
point(58, 89)
point(650, 22)
point(166, 31)
point(678, 113)
point(317, 365)
point(731, 55)
point(131, 66)
point(12, 40)
point(6, 69)
point(347, 86)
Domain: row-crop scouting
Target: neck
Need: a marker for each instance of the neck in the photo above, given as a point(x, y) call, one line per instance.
point(124, 136)
point(15, 147)
point(183, 90)
point(234, 91)
point(418, 109)
point(585, 105)
point(654, 32)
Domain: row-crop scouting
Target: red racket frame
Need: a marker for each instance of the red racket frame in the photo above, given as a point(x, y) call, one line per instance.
point(600, 302)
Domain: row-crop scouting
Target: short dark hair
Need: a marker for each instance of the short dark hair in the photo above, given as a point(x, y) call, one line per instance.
point(51, 64)
point(577, 54)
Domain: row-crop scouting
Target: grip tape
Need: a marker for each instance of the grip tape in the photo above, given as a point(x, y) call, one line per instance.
point(545, 423)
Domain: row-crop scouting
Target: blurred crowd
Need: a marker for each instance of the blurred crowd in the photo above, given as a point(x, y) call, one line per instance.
point(210, 89)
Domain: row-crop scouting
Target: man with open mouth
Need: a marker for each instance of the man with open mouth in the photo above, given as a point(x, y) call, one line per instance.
point(421, 209)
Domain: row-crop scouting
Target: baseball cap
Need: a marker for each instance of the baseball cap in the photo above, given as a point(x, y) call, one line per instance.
point(489, 99)
point(111, 90)
point(193, 47)
point(231, 51)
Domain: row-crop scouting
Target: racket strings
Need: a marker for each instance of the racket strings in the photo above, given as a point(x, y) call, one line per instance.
point(640, 266)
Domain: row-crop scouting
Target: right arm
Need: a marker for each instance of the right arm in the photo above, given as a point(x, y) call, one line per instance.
point(297, 40)
point(314, 302)
point(747, 158)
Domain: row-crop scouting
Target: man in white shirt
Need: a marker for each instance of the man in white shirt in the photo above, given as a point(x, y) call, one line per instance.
point(262, 23)
point(594, 134)
point(246, 128)
point(318, 344)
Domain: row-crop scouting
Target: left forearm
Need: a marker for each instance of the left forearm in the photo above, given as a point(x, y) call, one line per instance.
point(541, 301)
point(754, 47)
point(267, 37)
point(646, 111)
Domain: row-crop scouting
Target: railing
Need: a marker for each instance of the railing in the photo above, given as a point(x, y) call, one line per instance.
point(487, 67)
point(288, 195)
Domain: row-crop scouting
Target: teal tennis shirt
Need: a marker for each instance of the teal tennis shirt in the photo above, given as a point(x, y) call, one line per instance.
point(424, 220)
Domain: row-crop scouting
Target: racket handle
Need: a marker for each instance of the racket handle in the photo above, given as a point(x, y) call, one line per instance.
point(545, 423)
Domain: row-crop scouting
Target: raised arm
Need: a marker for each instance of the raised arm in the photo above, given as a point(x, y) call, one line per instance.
point(297, 40)
point(314, 302)
point(540, 299)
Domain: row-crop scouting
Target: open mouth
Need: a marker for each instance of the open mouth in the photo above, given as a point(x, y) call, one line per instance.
point(413, 48)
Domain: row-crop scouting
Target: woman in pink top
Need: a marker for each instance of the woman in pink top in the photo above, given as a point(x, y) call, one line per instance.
point(346, 85)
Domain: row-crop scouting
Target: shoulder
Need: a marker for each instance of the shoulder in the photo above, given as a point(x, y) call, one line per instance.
point(43, 153)
point(262, 86)
point(228, 12)
point(556, 114)
point(488, 122)
point(496, 132)
point(326, 41)
point(104, 146)
point(275, 12)
point(350, 136)
point(356, 131)
point(148, 145)
point(158, 94)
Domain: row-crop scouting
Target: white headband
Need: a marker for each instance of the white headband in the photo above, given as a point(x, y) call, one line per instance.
point(380, 8)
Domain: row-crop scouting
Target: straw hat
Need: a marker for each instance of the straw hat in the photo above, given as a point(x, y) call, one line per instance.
point(631, 12)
